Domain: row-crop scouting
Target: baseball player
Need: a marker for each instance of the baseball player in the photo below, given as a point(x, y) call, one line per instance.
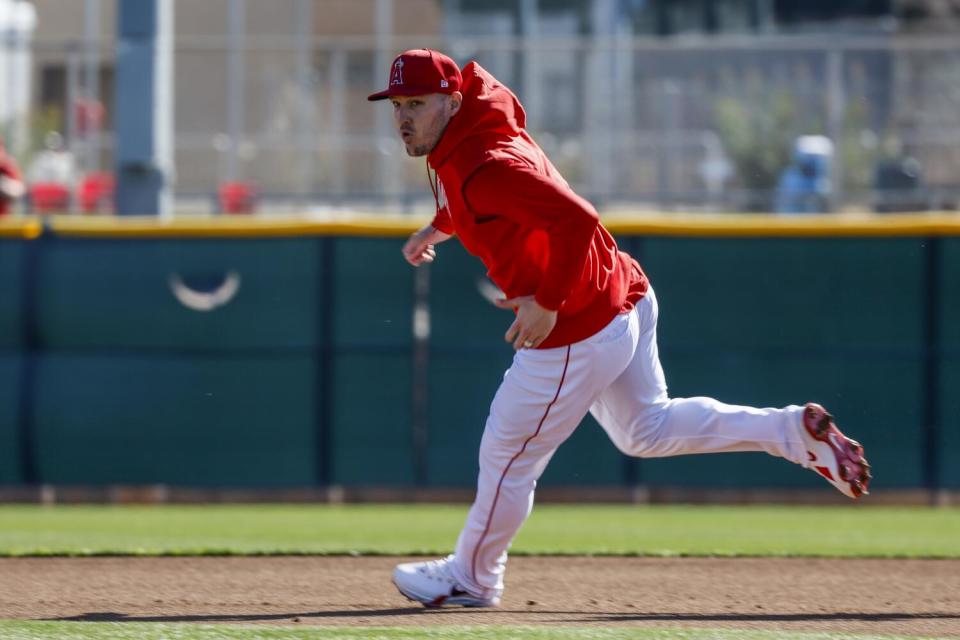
point(585, 328)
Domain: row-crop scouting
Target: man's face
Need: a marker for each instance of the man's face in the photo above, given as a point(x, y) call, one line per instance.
point(421, 120)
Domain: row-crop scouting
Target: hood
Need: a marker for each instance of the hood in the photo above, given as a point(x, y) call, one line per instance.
point(489, 108)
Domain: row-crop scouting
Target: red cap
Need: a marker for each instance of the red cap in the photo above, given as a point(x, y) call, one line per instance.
point(419, 72)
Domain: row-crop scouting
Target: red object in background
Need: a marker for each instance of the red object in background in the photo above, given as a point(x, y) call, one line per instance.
point(237, 197)
point(89, 114)
point(8, 171)
point(96, 193)
point(49, 197)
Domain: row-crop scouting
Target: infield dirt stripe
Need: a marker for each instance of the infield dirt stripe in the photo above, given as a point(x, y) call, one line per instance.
point(912, 597)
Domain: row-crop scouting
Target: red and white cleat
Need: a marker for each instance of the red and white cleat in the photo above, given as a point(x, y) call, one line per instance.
point(833, 455)
point(432, 584)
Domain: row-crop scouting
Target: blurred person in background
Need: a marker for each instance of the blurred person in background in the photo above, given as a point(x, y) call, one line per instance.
point(898, 181)
point(11, 184)
point(51, 177)
point(805, 185)
point(54, 164)
point(585, 328)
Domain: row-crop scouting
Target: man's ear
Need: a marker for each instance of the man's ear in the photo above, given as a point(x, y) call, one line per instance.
point(456, 100)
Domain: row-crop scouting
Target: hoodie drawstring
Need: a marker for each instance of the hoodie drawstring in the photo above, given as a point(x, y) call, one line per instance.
point(432, 179)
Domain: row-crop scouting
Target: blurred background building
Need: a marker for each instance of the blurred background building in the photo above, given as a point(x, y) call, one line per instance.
point(642, 104)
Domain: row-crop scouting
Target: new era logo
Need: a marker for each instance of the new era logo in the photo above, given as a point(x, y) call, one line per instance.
point(444, 84)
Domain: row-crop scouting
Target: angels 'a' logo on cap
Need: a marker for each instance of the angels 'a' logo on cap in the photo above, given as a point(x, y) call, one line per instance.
point(396, 76)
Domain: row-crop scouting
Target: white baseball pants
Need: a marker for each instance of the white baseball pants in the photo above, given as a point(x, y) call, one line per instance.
point(616, 376)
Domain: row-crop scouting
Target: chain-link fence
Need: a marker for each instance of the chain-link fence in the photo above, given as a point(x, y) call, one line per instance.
point(703, 124)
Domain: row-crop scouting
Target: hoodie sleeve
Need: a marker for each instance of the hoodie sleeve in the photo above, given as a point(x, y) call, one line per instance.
point(442, 222)
point(519, 193)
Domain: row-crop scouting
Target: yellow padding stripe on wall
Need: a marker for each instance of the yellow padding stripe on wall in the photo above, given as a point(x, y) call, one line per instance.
point(767, 225)
point(232, 227)
point(28, 228)
point(640, 223)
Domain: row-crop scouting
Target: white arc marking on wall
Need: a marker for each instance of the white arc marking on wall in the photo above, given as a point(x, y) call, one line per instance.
point(204, 300)
point(489, 291)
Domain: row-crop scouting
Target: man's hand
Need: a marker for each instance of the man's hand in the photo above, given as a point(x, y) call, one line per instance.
point(531, 326)
point(419, 248)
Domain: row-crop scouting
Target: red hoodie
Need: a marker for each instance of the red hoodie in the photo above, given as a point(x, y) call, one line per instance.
point(498, 192)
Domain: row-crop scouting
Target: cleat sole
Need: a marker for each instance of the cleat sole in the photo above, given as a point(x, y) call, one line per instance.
point(852, 471)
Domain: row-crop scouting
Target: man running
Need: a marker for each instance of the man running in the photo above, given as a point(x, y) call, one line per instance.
point(584, 331)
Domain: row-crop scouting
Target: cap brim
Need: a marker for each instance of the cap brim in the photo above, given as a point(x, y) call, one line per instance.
point(380, 95)
point(404, 91)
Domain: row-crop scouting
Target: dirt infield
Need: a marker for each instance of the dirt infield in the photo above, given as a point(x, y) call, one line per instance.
point(911, 597)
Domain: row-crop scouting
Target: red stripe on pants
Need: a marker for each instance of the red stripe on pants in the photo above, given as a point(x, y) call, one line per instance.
point(496, 496)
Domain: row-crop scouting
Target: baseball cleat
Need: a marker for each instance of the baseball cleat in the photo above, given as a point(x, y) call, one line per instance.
point(833, 455)
point(431, 584)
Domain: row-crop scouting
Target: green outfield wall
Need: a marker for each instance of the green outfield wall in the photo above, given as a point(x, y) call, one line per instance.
point(251, 353)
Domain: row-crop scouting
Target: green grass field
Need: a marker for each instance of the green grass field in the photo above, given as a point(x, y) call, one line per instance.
point(432, 529)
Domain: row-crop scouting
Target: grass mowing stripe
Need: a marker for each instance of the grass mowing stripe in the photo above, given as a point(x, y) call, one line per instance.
point(432, 529)
point(153, 631)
